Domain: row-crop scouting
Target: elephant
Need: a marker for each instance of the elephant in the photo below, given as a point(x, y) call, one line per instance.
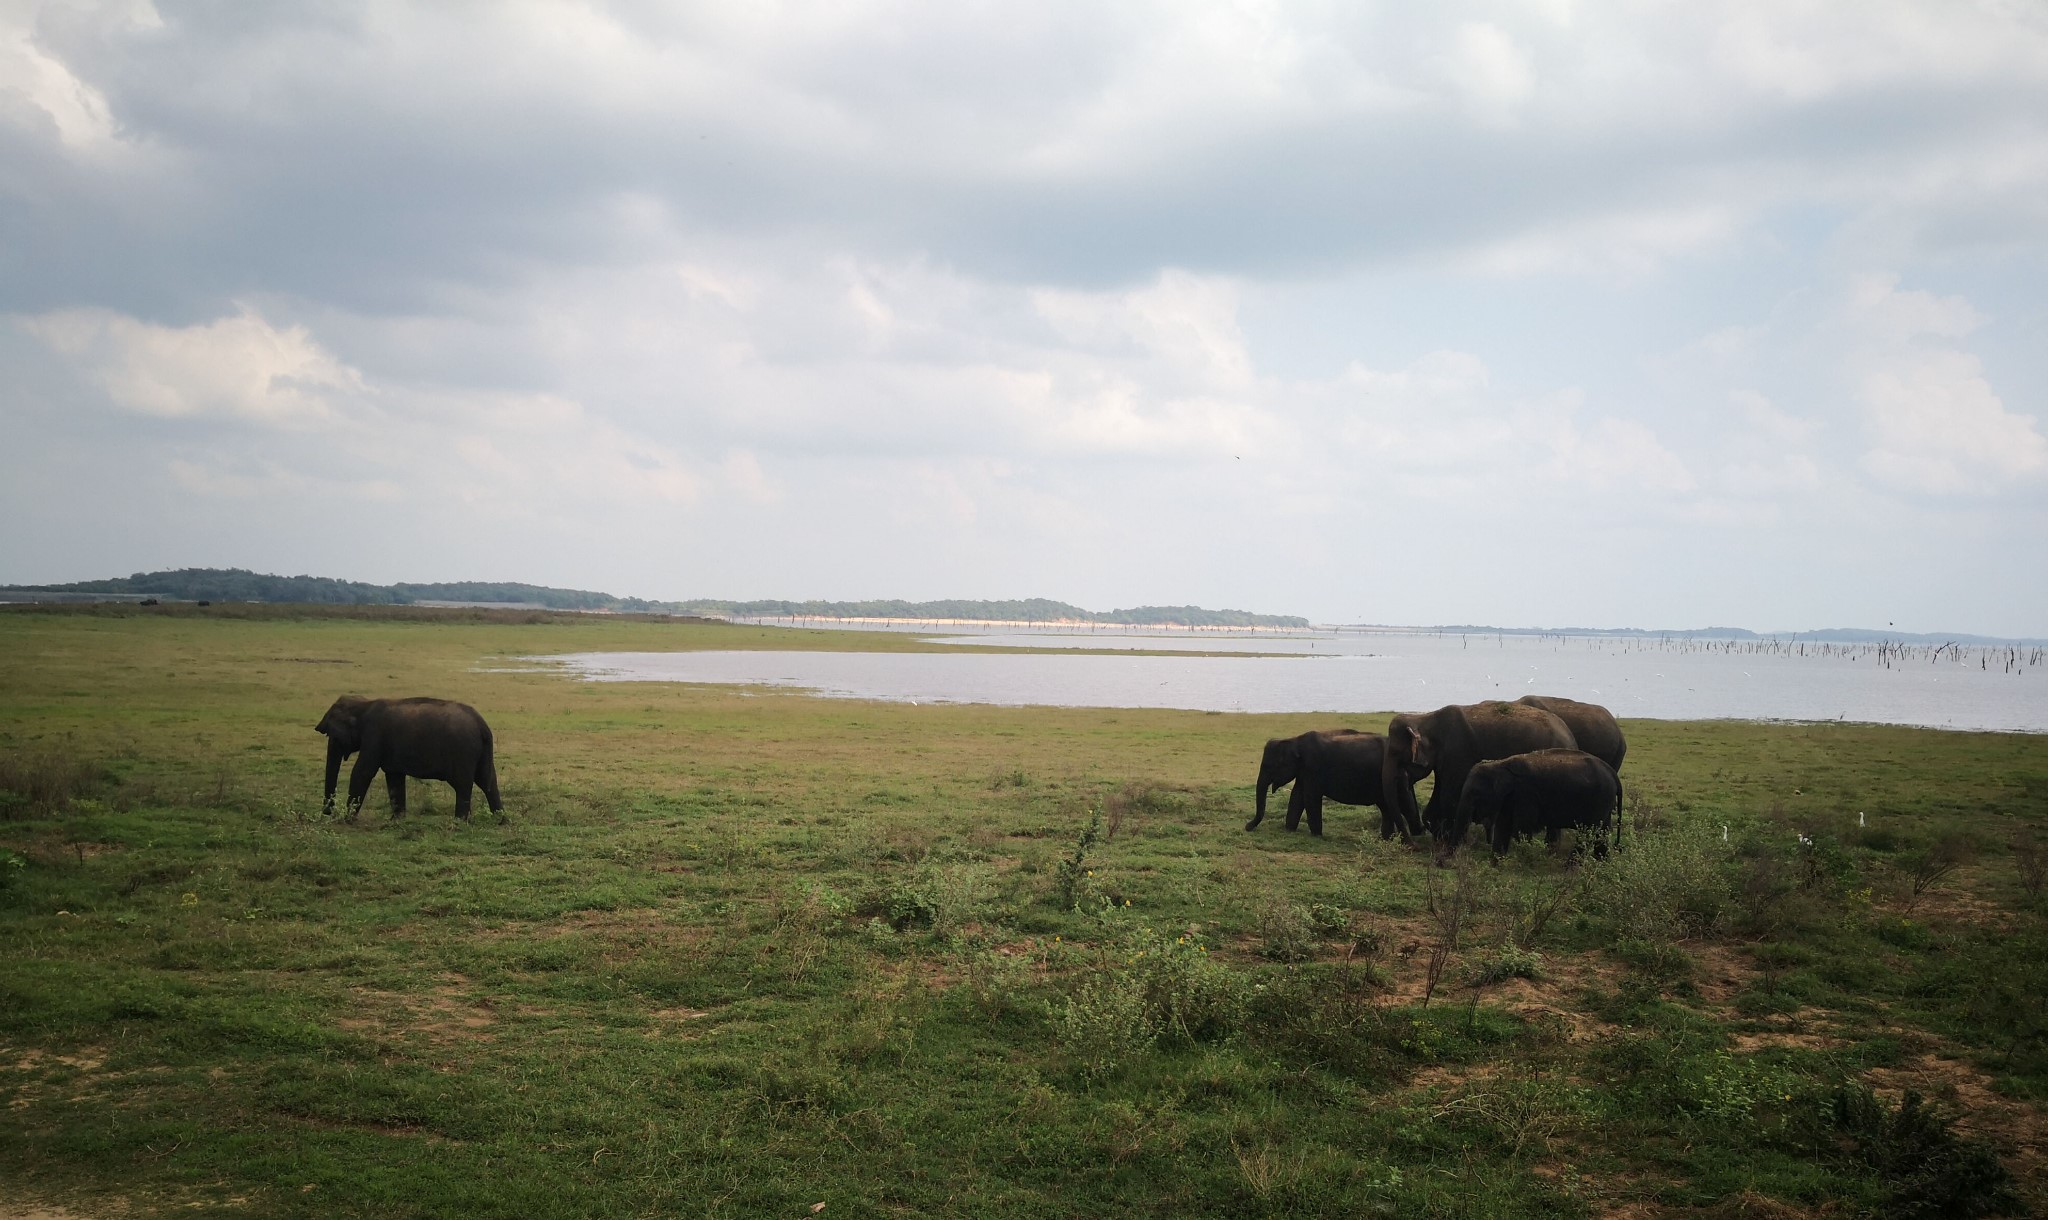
point(1546, 790)
point(1593, 727)
point(425, 738)
point(1341, 764)
point(1448, 742)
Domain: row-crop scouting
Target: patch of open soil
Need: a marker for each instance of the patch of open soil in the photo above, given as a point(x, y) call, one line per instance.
point(1720, 972)
point(446, 1013)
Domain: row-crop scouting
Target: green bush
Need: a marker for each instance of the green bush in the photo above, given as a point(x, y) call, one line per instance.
point(941, 896)
point(1928, 1170)
point(1287, 932)
point(1104, 1025)
point(1669, 885)
point(1509, 961)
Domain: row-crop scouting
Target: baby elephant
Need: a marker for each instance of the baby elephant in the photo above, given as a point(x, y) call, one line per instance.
point(1547, 790)
point(425, 738)
point(1340, 764)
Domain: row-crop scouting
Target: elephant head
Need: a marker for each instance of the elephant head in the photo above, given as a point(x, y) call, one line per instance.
point(1488, 789)
point(343, 728)
point(1410, 754)
point(1278, 767)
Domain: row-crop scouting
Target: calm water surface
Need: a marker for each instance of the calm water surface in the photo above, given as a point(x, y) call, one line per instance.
point(1360, 672)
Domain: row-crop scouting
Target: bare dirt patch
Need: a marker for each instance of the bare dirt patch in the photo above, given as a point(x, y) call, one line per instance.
point(446, 1013)
point(1720, 972)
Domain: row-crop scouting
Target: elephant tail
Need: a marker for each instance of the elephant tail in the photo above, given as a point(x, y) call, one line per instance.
point(1617, 811)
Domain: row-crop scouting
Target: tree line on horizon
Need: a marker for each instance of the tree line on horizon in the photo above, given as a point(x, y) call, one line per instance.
point(242, 585)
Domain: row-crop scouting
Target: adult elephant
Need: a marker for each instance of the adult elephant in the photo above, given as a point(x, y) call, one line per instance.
point(1549, 790)
point(1593, 727)
point(1449, 742)
point(423, 738)
point(1342, 765)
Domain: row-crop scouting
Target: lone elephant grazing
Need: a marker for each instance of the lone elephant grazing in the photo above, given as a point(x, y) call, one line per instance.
point(1342, 765)
point(1548, 790)
point(424, 738)
point(1593, 727)
point(1450, 741)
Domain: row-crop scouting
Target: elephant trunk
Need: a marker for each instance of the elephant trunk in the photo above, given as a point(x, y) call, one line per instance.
point(334, 756)
point(1397, 794)
point(1259, 802)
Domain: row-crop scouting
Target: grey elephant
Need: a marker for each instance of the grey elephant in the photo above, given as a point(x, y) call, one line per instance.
point(1547, 790)
point(1593, 727)
point(423, 738)
point(1448, 743)
point(1342, 765)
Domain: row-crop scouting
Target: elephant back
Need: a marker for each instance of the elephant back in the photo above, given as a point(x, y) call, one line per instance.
point(1593, 727)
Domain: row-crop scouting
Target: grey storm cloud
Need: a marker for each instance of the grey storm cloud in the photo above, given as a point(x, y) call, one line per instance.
point(1118, 303)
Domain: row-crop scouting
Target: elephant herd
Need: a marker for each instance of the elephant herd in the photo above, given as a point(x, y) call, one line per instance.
point(1539, 763)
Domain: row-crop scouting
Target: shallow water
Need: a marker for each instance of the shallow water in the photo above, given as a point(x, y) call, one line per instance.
point(1358, 672)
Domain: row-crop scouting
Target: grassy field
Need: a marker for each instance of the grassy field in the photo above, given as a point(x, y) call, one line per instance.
point(741, 954)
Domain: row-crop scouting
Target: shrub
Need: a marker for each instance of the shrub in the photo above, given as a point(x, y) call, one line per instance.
point(943, 897)
point(1104, 1025)
point(1073, 881)
point(1928, 1170)
point(44, 781)
point(1285, 932)
point(1188, 996)
point(1509, 961)
point(1926, 868)
point(11, 866)
point(1668, 885)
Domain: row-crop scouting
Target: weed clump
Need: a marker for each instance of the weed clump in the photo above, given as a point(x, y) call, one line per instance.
point(942, 896)
point(37, 783)
point(1927, 1169)
point(1154, 990)
point(1670, 885)
point(1073, 881)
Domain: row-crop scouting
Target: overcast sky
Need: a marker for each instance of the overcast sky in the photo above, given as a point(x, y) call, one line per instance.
point(1550, 313)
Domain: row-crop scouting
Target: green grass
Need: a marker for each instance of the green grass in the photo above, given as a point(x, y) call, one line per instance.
point(737, 953)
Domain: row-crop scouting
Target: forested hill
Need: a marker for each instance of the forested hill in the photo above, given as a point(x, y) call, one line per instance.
point(241, 585)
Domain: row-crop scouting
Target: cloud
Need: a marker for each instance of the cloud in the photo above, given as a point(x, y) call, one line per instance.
point(911, 298)
point(1938, 427)
point(240, 367)
point(1935, 423)
point(293, 409)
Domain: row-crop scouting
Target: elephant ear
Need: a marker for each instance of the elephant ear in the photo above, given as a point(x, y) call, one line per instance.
point(1421, 751)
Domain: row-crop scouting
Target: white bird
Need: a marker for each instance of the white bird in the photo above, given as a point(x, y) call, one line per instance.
point(1859, 819)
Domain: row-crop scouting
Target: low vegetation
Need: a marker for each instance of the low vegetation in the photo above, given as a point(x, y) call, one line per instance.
point(742, 953)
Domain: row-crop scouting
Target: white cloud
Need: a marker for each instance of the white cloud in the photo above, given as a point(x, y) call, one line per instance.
point(1935, 423)
point(240, 367)
point(37, 89)
point(1937, 426)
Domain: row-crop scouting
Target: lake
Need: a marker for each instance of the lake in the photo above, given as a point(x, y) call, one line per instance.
point(1354, 672)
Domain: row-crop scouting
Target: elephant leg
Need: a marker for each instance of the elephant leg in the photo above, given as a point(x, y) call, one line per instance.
point(1315, 815)
point(359, 778)
point(1388, 822)
point(394, 785)
point(1551, 836)
point(487, 779)
point(462, 791)
point(1297, 803)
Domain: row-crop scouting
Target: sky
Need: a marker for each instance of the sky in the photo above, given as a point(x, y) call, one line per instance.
point(1539, 314)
